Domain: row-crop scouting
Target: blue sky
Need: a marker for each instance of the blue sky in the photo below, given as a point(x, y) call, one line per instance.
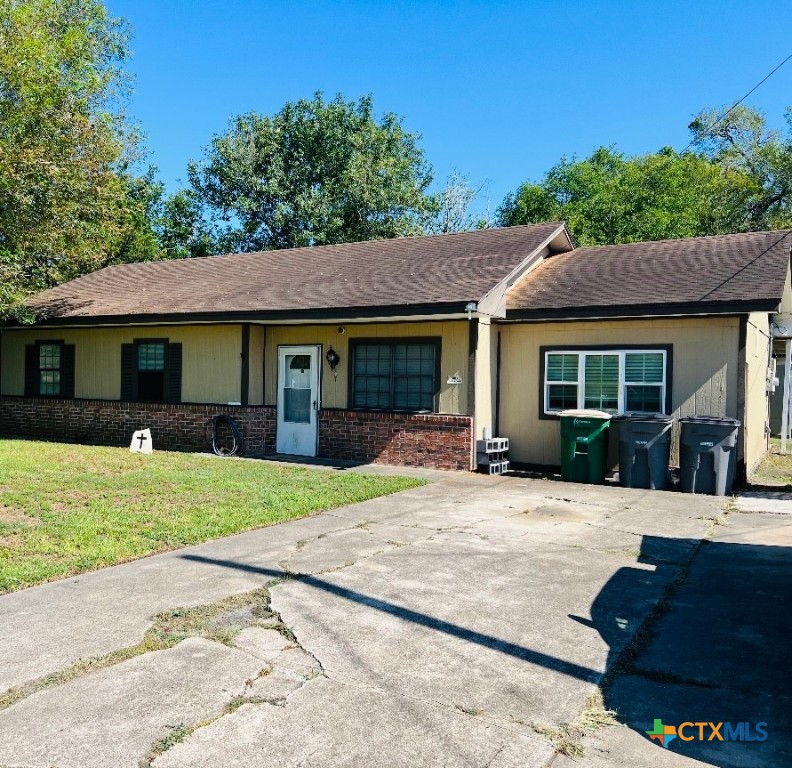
point(499, 90)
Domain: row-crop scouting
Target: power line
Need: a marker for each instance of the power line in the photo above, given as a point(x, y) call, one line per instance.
point(739, 101)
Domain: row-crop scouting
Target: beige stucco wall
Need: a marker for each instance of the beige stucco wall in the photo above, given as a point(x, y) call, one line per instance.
point(786, 299)
point(704, 377)
point(454, 337)
point(757, 359)
point(211, 369)
point(486, 379)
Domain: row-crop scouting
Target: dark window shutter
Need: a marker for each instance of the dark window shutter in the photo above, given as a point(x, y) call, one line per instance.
point(128, 372)
point(174, 374)
point(32, 375)
point(67, 371)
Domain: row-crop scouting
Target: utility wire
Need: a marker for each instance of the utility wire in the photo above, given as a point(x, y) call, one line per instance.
point(738, 102)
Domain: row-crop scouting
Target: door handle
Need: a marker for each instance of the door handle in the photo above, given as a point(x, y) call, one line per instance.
point(314, 406)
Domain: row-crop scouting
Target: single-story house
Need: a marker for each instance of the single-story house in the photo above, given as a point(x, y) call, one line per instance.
point(403, 351)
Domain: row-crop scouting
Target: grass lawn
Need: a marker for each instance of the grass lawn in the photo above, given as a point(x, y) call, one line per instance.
point(776, 468)
point(66, 509)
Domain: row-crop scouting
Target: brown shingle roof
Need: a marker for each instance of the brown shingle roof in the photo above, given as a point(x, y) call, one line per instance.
point(708, 272)
point(406, 272)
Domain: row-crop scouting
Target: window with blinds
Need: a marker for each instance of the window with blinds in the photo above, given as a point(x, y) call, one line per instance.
point(644, 381)
point(395, 375)
point(615, 381)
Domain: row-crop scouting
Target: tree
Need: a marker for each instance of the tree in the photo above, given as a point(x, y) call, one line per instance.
point(69, 201)
point(611, 198)
point(317, 172)
point(741, 141)
point(453, 207)
point(181, 227)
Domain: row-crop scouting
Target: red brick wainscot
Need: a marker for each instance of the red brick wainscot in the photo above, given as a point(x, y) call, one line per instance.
point(174, 427)
point(414, 439)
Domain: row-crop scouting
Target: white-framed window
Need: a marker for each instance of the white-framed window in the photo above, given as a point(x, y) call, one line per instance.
point(615, 380)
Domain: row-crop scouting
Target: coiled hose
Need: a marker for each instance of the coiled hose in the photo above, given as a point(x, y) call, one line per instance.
point(237, 445)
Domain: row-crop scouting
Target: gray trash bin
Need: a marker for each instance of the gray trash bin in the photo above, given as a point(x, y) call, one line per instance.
point(644, 449)
point(707, 454)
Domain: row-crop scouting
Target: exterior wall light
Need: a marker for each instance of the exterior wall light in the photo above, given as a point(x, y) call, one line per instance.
point(333, 359)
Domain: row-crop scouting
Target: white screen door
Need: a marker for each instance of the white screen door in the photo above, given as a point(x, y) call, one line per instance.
point(298, 400)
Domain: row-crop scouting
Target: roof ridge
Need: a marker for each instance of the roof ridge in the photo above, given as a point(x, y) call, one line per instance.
point(784, 232)
point(401, 239)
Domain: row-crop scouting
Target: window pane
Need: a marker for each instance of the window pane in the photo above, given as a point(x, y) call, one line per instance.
point(298, 371)
point(394, 376)
point(373, 360)
point(644, 398)
point(151, 357)
point(414, 393)
point(297, 405)
point(562, 367)
point(49, 383)
point(643, 367)
point(562, 396)
point(49, 356)
point(372, 392)
point(299, 362)
point(414, 359)
point(151, 386)
point(602, 382)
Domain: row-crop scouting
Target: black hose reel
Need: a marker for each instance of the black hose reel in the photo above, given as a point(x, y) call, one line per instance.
point(237, 447)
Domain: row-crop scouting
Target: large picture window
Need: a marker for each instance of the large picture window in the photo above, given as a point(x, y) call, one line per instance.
point(395, 375)
point(615, 381)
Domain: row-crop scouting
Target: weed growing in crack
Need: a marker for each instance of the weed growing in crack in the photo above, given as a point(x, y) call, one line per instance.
point(221, 621)
point(624, 552)
point(472, 711)
point(596, 715)
point(564, 740)
point(178, 733)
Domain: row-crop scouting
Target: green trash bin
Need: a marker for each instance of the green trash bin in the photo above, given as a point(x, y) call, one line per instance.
point(584, 446)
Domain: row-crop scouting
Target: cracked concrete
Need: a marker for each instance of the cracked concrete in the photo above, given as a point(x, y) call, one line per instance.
point(424, 628)
point(112, 717)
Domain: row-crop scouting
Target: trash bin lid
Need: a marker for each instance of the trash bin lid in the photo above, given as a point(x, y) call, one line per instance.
point(586, 413)
point(724, 421)
point(636, 416)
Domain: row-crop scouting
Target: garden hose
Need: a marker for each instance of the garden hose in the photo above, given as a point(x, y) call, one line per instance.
point(237, 446)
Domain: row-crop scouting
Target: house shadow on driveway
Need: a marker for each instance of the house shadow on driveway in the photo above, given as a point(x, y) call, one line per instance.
point(715, 650)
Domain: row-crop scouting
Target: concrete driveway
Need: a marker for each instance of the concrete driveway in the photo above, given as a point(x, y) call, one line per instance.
point(465, 623)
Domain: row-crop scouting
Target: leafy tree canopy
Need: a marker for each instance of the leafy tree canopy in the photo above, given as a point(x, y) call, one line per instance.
point(612, 198)
point(318, 172)
point(68, 201)
point(741, 142)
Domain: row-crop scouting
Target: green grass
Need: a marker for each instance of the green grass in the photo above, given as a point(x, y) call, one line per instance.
point(67, 509)
point(776, 468)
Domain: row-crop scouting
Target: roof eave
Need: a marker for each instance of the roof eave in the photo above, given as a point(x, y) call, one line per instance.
point(690, 309)
point(388, 313)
